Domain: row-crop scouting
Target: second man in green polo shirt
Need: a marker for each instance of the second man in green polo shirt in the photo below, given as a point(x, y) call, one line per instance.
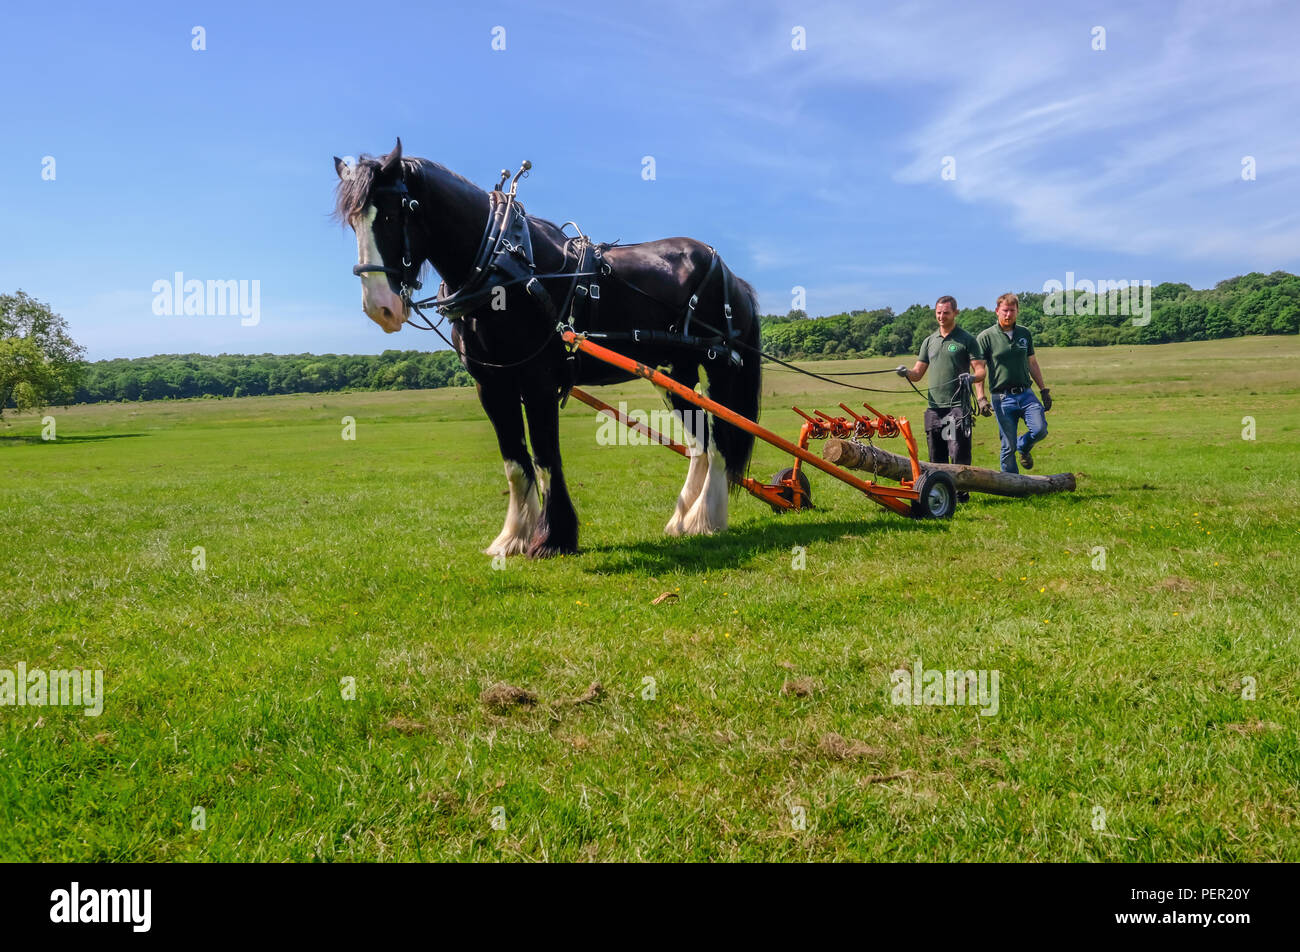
point(1009, 352)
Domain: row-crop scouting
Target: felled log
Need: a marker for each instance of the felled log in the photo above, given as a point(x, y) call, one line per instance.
point(968, 478)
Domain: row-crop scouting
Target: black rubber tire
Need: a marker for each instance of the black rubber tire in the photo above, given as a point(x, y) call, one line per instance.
point(938, 496)
point(788, 494)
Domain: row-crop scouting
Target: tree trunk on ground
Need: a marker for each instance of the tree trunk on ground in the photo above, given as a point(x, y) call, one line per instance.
point(968, 478)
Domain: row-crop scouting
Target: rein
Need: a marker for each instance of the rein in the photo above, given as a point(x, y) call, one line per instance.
point(505, 247)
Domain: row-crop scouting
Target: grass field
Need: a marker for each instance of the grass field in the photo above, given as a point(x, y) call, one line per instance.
point(1121, 732)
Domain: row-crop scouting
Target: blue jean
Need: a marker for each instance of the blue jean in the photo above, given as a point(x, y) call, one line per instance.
point(1010, 408)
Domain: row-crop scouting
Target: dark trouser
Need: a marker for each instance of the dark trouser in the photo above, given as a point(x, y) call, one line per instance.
point(943, 431)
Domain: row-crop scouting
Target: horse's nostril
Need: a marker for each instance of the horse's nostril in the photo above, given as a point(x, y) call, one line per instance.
point(388, 315)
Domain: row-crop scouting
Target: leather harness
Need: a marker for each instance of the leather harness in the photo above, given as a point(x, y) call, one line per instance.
point(711, 345)
point(505, 258)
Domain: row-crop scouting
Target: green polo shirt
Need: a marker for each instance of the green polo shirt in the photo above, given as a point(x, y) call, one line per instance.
point(1007, 358)
point(948, 357)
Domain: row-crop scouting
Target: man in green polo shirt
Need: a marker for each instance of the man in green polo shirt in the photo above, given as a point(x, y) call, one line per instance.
point(954, 355)
point(1009, 352)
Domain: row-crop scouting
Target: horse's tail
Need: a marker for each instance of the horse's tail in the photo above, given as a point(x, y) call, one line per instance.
point(740, 388)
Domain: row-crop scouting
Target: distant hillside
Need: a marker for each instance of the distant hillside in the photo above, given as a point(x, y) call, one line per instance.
point(1251, 304)
point(238, 375)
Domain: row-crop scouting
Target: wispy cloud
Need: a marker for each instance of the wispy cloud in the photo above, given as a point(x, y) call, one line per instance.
point(1136, 148)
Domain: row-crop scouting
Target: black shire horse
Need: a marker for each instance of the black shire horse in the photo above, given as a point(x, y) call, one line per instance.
point(510, 280)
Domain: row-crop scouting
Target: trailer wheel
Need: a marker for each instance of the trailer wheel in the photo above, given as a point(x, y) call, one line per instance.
point(938, 496)
point(787, 493)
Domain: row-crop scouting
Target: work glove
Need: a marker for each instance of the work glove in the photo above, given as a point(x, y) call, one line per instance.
point(901, 370)
point(1047, 399)
point(986, 408)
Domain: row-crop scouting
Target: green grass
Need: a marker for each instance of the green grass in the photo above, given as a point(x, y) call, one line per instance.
point(1119, 689)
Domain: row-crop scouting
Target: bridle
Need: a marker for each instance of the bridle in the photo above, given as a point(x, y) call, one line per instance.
point(408, 206)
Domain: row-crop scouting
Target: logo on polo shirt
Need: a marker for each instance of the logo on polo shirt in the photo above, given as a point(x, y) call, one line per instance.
point(952, 348)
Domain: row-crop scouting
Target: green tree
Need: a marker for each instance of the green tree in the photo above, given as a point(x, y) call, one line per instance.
point(40, 363)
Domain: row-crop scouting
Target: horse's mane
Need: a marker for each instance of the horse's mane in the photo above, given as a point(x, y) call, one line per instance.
point(353, 192)
point(560, 236)
point(556, 232)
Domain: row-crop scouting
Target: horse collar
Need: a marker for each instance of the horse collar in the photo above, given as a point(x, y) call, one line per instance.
point(504, 257)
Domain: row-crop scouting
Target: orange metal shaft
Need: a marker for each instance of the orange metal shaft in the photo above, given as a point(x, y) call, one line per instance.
point(906, 429)
point(603, 407)
point(768, 494)
point(885, 496)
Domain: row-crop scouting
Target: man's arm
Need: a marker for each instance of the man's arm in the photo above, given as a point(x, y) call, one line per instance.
point(916, 373)
point(1038, 379)
point(978, 373)
point(1036, 373)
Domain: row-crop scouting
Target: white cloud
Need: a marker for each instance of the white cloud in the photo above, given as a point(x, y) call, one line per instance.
point(1136, 149)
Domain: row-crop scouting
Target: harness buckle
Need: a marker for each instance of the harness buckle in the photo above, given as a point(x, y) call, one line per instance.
point(695, 299)
point(595, 291)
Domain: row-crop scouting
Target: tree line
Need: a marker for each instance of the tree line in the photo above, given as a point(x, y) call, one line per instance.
point(1249, 304)
point(238, 375)
point(40, 364)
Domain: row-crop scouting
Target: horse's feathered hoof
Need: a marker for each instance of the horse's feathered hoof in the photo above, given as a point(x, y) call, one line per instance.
point(506, 545)
point(547, 544)
point(541, 550)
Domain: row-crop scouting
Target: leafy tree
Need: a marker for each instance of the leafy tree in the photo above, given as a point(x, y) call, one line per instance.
point(40, 363)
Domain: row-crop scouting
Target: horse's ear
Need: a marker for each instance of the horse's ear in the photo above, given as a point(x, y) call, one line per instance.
point(393, 160)
point(342, 168)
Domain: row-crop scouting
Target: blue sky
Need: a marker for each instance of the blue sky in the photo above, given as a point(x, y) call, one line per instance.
point(818, 167)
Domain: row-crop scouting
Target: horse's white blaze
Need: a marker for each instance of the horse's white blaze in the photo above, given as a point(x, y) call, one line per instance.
point(695, 476)
point(521, 515)
point(709, 513)
point(377, 298)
